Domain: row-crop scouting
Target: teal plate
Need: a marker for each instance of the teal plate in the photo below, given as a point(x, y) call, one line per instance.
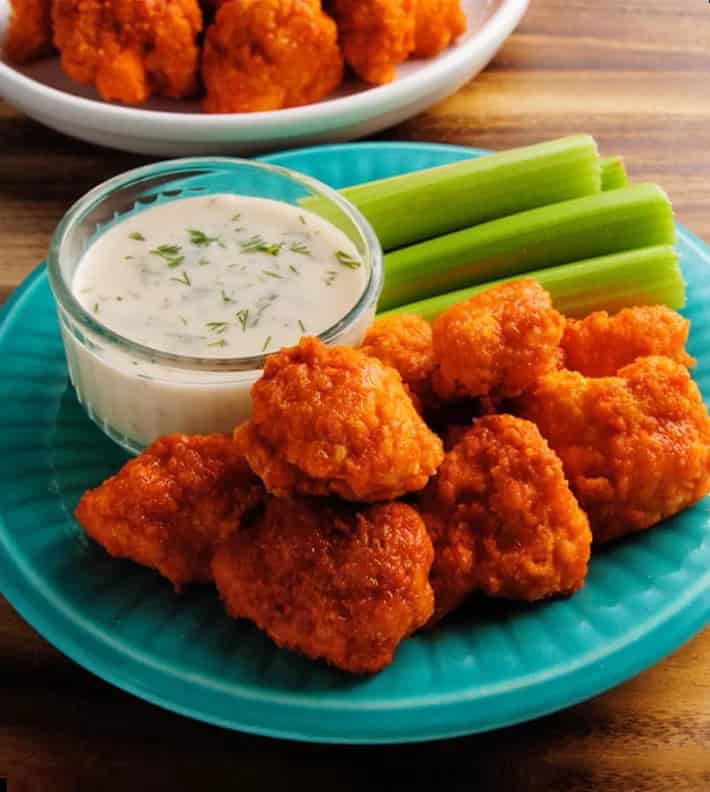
point(493, 666)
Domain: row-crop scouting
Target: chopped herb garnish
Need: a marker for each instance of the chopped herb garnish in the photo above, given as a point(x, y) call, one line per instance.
point(218, 327)
point(137, 236)
point(185, 279)
point(293, 269)
point(225, 298)
point(119, 299)
point(220, 343)
point(182, 319)
point(199, 238)
point(170, 254)
point(302, 219)
point(253, 241)
point(166, 250)
point(96, 307)
point(299, 247)
point(272, 274)
point(128, 258)
point(203, 262)
point(257, 244)
point(236, 216)
point(347, 260)
point(261, 305)
point(330, 276)
point(266, 344)
point(302, 326)
point(242, 317)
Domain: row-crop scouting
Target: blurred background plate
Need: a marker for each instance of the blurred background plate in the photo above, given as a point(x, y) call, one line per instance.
point(492, 665)
point(170, 128)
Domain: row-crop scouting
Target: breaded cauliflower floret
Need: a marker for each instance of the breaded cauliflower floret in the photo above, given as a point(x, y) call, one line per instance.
point(269, 54)
point(599, 345)
point(404, 342)
point(503, 519)
point(130, 49)
point(330, 580)
point(173, 504)
point(498, 342)
point(635, 447)
point(439, 24)
point(331, 420)
point(376, 35)
point(29, 33)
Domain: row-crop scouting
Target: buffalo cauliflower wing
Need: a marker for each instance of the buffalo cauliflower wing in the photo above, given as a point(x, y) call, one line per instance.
point(497, 342)
point(169, 507)
point(332, 581)
point(438, 24)
point(404, 342)
point(269, 54)
point(635, 447)
point(599, 345)
point(503, 519)
point(332, 420)
point(130, 49)
point(29, 32)
point(376, 35)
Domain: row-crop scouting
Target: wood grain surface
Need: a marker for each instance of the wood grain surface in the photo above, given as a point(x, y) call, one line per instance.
point(634, 73)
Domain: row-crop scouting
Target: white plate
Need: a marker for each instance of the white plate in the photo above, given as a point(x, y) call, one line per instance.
point(169, 128)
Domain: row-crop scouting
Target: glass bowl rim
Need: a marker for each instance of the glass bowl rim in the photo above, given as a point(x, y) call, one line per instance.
point(68, 303)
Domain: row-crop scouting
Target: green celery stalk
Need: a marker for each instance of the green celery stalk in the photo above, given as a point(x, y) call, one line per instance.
point(596, 225)
point(647, 276)
point(428, 203)
point(613, 173)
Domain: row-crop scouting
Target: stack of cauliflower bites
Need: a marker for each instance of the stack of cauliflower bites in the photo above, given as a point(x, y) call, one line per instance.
point(255, 55)
point(334, 520)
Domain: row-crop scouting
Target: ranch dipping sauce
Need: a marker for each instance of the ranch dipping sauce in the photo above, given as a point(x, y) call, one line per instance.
point(208, 278)
point(220, 276)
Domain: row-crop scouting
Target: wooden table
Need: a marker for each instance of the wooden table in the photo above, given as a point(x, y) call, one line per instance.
point(636, 74)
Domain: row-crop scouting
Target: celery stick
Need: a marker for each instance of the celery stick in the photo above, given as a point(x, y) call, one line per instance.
point(633, 217)
point(427, 203)
point(648, 276)
point(613, 173)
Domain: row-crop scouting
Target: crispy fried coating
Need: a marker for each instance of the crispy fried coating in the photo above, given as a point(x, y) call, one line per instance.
point(635, 447)
point(439, 23)
point(130, 49)
point(269, 54)
point(599, 345)
point(169, 507)
point(330, 580)
point(376, 35)
point(498, 342)
point(404, 342)
point(503, 519)
point(332, 420)
point(29, 33)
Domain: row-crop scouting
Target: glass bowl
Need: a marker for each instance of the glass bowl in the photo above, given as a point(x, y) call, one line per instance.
point(135, 393)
